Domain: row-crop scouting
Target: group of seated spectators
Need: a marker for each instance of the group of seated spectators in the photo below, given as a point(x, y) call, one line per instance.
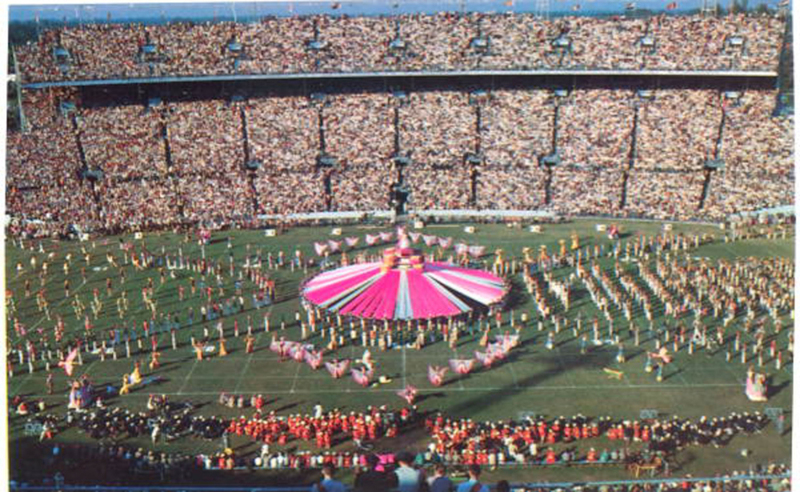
point(458, 441)
point(751, 130)
point(517, 127)
point(686, 122)
point(600, 137)
point(329, 435)
point(283, 133)
point(173, 162)
point(443, 41)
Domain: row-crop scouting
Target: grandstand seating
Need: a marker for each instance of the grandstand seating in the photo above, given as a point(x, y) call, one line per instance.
point(616, 150)
point(169, 149)
point(418, 42)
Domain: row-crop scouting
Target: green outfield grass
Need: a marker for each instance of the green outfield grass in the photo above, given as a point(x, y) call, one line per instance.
point(554, 382)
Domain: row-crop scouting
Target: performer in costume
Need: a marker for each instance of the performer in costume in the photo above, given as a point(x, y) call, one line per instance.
point(136, 375)
point(249, 342)
point(154, 362)
point(198, 349)
point(222, 350)
point(755, 386)
point(126, 388)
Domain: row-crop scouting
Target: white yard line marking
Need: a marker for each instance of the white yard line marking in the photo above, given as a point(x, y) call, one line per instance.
point(249, 358)
point(187, 378)
point(514, 375)
point(404, 366)
point(475, 389)
point(294, 380)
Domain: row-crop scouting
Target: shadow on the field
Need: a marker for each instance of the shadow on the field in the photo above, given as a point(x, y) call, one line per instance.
point(172, 365)
point(426, 396)
point(775, 390)
point(516, 294)
point(288, 406)
point(553, 364)
point(667, 375)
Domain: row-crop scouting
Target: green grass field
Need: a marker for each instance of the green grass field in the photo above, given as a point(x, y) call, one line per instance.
point(533, 379)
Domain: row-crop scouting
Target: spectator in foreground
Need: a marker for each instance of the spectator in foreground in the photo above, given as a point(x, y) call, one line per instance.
point(473, 484)
point(408, 478)
point(372, 480)
point(328, 484)
point(439, 482)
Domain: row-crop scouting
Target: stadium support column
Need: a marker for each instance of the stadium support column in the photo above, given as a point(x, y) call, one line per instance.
point(785, 98)
point(245, 141)
point(77, 132)
point(249, 175)
point(167, 148)
point(548, 193)
point(84, 165)
point(173, 180)
point(398, 168)
point(23, 124)
point(398, 194)
point(326, 180)
point(474, 166)
point(717, 152)
point(631, 158)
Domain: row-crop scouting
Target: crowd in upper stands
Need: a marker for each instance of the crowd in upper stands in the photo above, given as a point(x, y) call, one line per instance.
point(414, 42)
point(168, 163)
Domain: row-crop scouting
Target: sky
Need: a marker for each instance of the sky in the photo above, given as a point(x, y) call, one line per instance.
point(244, 11)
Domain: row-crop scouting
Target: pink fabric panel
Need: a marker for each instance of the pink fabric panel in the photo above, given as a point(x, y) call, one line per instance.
point(385, 297)
point(366, 303)
point(426, 300)
point(468, 286)
point(324, 293)
point(434, 266)
point(385, 310)
point(340, 274)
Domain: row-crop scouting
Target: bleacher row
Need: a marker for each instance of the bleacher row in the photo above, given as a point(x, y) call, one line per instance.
point(184, 161)
point(416, 42)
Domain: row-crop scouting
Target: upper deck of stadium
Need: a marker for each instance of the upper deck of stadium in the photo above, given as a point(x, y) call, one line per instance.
point(405, 44)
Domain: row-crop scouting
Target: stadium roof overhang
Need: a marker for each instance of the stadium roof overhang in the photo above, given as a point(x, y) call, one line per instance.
point(362, 75)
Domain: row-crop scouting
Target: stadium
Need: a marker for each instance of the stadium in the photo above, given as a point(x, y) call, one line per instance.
point(400, 246)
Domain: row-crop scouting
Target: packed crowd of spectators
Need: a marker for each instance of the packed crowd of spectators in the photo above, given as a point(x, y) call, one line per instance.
point(731, 192)
point(600, 137)
point(415, 42)
point(364, 171)
point(346, 38)
point(173, 162)
point(291, 192)
point(43, 184)
point(754, 141)
point(511, 188)
point(438, 128)
point(329, 436)
point(458, 441)
point(365, 187)
point(438, 189)
point(283, 133)
point(684, 121)
point(220, 199)
point(579, 192)
point(205, 138)
point(42, 108)
point(277, 45)
point(663, 195)
point(123, 141)
point(359, 129)
point(517, 127)
point(708, 43)
point(138, 203)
